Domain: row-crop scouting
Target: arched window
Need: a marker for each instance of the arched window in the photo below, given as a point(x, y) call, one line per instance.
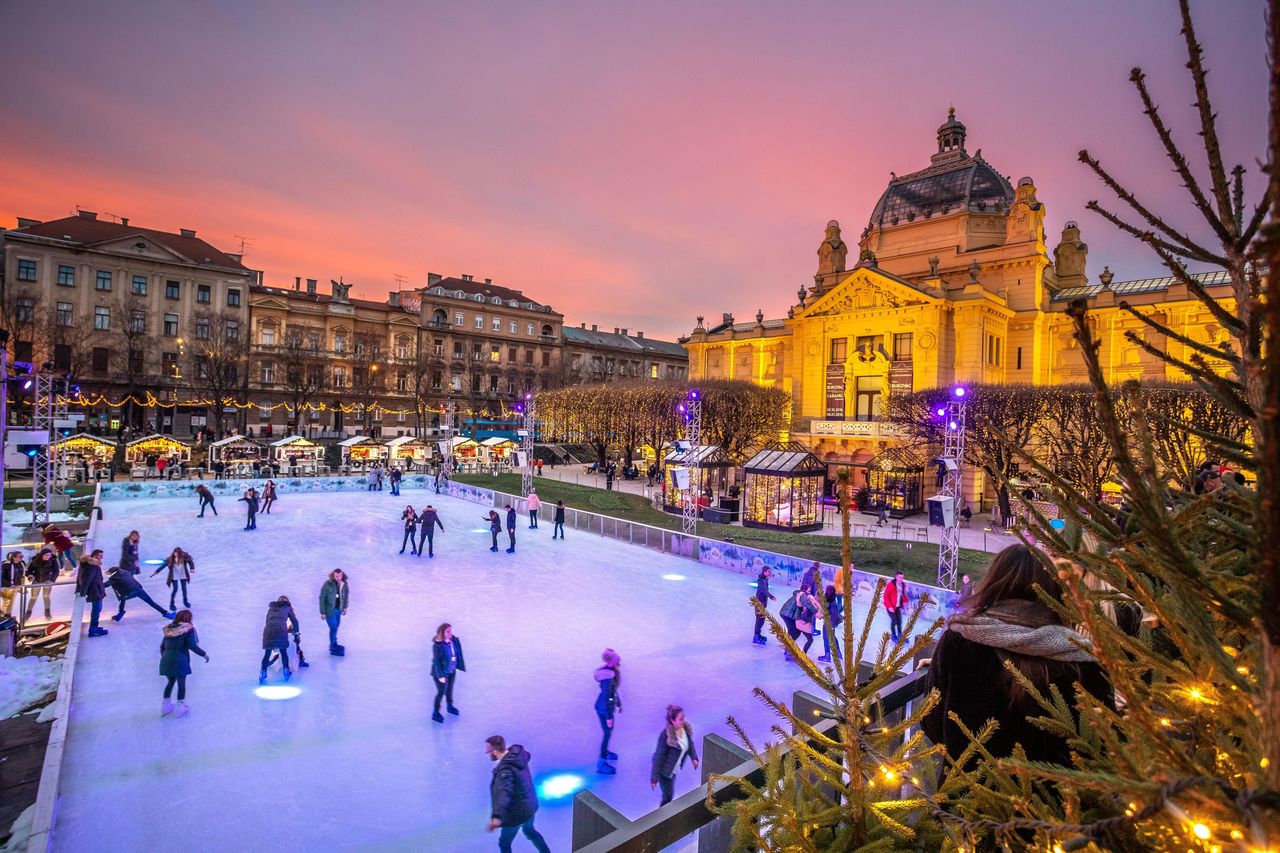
point(439, 317)
point(546, 329)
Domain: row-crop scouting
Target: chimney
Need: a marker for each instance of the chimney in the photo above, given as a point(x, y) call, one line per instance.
point(615, 330)
point(640, 335)
point(187, 232)
point(311, 286)
point(593, 328)
point(624, 333)
point(124, 220)
point(393, 299)
point(584, 325)
point(86, 214)
point(297, 282)
point(433, 278)
point(466, 277)
point(728, 318)
point(234, 256)
point(488, 281)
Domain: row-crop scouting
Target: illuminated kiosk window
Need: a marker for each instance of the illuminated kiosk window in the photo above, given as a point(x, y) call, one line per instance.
point(140, 450)
point(464, 448)
point(235, 450)
point(363, 449)
point(895, 480)
point(410, 448)
point(83, 446)
point(784, 487)
point(495, 448)
point(303, 451)
point(714, 466)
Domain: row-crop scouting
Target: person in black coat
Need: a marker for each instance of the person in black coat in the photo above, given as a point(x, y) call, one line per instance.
point(12, 572)
point(428, 520)
point(127, 586)
point(43, 569)
point(268, 496)
point(446, 661)
point(395, 482)
point(129, 554)
point(609, 677)
point(512, 796)
point(495, 527)
point(829, 636)
point(179, 642)
point(557, 527)
point(511, 528)
point(1003, 620)
point(250, 501)
point(675, 744)
point(410, 519)
point(281, 622)
point(764, 597)
point(206, 498)
point(89, 584)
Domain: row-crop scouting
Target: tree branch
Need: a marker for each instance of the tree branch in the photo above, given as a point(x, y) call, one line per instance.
point(1226, 355)
point(1208, 122)
point(1222, 315)
point(1203, 255)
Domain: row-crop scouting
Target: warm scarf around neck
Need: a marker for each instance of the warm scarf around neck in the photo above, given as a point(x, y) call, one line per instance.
point(1025, 628)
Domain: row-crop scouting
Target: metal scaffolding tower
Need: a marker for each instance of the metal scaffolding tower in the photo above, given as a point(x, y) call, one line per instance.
point(446, 462)
point(527, 408)
point(692, 410)
point(47, 491)
point(953, 429)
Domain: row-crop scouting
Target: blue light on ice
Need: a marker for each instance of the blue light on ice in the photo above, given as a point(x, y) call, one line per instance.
point(673, 577)
point(560, 785)
point(153, 562)
point(275, 692)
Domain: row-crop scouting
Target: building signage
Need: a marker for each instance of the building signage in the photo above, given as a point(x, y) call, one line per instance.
point(835, 392)
point(900, 378)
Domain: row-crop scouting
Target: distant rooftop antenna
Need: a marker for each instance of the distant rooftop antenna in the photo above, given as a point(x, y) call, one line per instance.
point(114, 217)
point(245, 243)
point(400, 280)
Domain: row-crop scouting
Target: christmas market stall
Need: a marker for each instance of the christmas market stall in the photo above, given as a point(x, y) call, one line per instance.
point(409, 451)
point(151, 455)
point(895, 483)
point(295, 455)
point(498, 449)
point(783, 490)
point(77, 454)
point(361, 451)
point(715, 468)
point(235, 456)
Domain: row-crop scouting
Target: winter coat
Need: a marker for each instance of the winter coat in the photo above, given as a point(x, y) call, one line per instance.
point(11, 573)
point(57, 537)
point(668, 750)
point(813, 577)
point(495, 523)
point(396, 475)
point(410, 520)
point(179, 642)
point(559, 518)
point(180, 571)
point(762, 590)
point(429, 520)
point(124, 584)
point(833, 613)
point(608, 700)
point(333, 597)
point(251, 502)
point(89, 582)
point(129, 556)
point(806, 613)
point(513, 797)
point(511, 519)
point(269, 492)
point(280, 623)
point(534, 503)
point(895, 598)
point(204, 493)
point(41, 570)
point(441, 664)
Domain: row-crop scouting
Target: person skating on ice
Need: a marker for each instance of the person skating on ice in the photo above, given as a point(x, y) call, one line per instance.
point(333, 606)
point(206, 500)
point(608, 700)
point(495, 527)
point(829, 635)
point(534, 504)
point(511, 528)
point(179, 642)
point(395, 482)
point(675, 744)
point(557, 527)
point(268, 496)
point(250, 500)
point(513, 798)
point(180, 566)
point(446, 662)
point(764, 597)
point(127, 586)
point(57, 538)
point(89, 584)
point(12, 575)
point(129, 553)
point(895, 601)
point(428, 521)
point(410, 519)
point(281, 622)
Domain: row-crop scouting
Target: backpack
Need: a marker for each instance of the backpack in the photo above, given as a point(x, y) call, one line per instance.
point(790, 610)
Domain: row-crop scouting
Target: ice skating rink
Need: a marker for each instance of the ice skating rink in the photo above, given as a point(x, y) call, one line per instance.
point(354, 762)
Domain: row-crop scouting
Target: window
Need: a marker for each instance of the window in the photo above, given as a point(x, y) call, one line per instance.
point(435, 381)
point(546, 359)
point(268, 334)
point(102, 318)
point(902, 347)
point(101, 360)
point(233, 297)
point(26, 270)
point(66, 275)
point(400, 416)
point(268, 373)
point(359, 348)
point(457, 319)
point(25, 309)
point(511, 385)
point(866, 345)
point(402, 382)
point(528, 329)
point(495, 353)
point(62, 356)
point(479, 321)
point(1019, 357)
point(357, 377)
point(136, 362)
point(233, 330)
point(138, 322)
point(475, 384)
point(339, 377)
point(204, 293)
point(103, 282)
point(402, 348)
point(202, 328)
point(437, 346)
point(65, 313)
point(171, 325)
point(511, 354)
point(457, 349)
point(528, 356)
point(497, 324)
point(839, 350)
point(169, 363)
point(172, 289)
point(514, 327)
point(475, 352)
point(867, 399)
point(455, 382)
point(493, 383)
point(139, 286)
point(999, 351)
point(653, 370)
point(340, 342)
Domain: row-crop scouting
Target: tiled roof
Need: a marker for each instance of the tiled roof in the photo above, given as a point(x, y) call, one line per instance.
point(1137, 286)
point(618, 341)
point(488, 291)
point(84, 231)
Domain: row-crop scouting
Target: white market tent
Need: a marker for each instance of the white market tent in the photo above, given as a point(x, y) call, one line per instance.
point(363, 449)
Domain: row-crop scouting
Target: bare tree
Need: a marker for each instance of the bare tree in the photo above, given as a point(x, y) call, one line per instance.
point(1072, 440)
point(305, 376)
point(368, 377)
point(220, 350)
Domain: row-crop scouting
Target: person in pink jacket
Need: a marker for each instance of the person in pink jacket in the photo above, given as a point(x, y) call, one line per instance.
point(534, 505)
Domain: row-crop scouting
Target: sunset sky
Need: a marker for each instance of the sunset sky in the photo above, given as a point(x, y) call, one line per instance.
point(632, 164)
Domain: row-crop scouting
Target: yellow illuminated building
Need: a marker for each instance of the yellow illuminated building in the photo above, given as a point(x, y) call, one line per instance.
point(955, 283)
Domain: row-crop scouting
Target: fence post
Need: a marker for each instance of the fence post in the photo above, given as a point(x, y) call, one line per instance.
point(718, 756)
point(593, 819)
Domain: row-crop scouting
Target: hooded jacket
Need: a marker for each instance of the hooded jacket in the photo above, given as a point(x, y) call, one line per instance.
point(41, 570)
point(57, 537)
point(668, 751)
point(511, 518)
point(124, 583)
point(534, 503)
point(762, 590)
point(89, 582)
point(11, 573)
point(513, 796)
point(333, 597)
point(429, 520)
point(280, 623)
point(179, 642)
point(608, 700)
point(129, 556)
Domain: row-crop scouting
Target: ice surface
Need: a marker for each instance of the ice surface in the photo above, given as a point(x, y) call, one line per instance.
point(355, 762)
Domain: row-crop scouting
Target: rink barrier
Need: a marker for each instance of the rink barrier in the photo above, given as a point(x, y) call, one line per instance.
point(598, 828)
point(284, 486)
point(41, 839)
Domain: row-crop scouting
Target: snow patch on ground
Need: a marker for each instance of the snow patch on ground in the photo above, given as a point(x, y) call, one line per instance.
point(20, 832)
point(26, 680)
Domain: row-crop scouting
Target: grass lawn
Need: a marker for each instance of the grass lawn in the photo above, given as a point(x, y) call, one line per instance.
point(918, 561)
point(18, 499)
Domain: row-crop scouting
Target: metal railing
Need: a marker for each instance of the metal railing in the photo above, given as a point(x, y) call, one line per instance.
point(35, 605)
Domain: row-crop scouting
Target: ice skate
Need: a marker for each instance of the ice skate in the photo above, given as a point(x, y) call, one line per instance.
point(437, 716)
point(452, 710)
point(117, 617)
point(611, 756)
point(288, 673)
point(605, 768)
point(262, 677)
point(166, 708)
point(181, 710)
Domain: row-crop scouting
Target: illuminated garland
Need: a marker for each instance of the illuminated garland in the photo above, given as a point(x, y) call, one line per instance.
point(150, 400)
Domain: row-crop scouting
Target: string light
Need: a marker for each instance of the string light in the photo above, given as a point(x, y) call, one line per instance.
point(1201, 831)
point(149, 400)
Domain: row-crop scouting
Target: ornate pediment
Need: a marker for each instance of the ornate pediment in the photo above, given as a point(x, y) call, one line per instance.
point(140, 246)
point(866, 290)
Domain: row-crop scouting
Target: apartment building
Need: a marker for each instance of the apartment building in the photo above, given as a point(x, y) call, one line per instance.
point(592, 355)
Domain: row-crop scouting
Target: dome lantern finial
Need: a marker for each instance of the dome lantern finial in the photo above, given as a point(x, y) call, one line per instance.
point(950, 139)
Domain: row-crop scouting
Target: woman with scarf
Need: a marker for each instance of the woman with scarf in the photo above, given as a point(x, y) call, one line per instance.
point(1005, 620)
point(675, 744)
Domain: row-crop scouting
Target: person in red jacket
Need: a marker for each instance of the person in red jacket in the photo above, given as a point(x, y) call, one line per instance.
point(895, 604)
point(61, 542)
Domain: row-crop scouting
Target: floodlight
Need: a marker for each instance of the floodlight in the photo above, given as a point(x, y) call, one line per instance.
point(953, 426)
point(960, 391)
point(942, 412)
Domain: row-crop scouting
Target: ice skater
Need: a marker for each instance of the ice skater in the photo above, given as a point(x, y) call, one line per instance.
point(428, 520)
point(513, 798)
point(895, 600)
point(268, 496)
point(609, 677)
point(764, 597)
point(12, 572)
point(410, 519)
point(395, 482)
point(534, 504)
point(89, 584)
point(446, 662)
point(557, 527)
point(281, 621)
point(511, 528)
point(333, 606)
point(829, 641)
point(179, 642)
point(180, 567)
point(495, 527)
point(42, 571)
point(57, 538)
point(675, 744)
point(206, 500)
point(127, 586)
point(250, 500)
point(129, 553)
